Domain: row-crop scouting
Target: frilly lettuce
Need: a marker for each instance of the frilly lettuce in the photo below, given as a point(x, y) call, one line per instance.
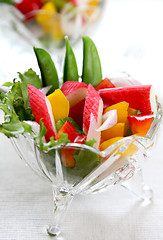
point(16, 110)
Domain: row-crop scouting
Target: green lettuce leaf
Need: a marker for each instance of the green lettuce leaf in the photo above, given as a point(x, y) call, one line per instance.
point(29, 77)
point(7, 84)
point(16, 110)
point(86, 161)
point(12, 125)
point(12, 128)
point(52, 143)
point(90, 142)
point(17, 98)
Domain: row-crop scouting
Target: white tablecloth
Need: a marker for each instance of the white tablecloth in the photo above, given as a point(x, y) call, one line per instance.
point(130, 33)
point(26, 205)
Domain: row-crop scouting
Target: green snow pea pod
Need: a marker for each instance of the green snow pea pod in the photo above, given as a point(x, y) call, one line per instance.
point(70, 72)
point(47, 68)
point(92, 72)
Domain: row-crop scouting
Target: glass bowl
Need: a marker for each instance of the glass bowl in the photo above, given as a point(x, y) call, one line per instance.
point(120, 163)
point(53, 21)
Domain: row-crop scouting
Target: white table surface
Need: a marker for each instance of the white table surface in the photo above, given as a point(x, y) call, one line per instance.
point(131, 34)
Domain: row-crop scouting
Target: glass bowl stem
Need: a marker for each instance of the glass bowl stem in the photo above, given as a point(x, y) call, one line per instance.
point(62, 200)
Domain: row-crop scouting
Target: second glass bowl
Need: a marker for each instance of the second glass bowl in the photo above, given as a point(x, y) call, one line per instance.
point(54, 20)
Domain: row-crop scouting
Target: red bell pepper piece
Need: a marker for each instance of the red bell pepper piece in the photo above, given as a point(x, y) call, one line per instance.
point(68, 159)
point(26, 7)
point(105, 83)
point(140, 123)
point(76, 112)
point(107, 102)
point(75, 2)
point(73, 135)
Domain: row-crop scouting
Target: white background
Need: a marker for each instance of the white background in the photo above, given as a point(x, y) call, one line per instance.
point(129, 38)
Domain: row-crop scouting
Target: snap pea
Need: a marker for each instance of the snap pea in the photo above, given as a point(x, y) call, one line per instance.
point(47, 68)
point(92, 72)
point(70, 72)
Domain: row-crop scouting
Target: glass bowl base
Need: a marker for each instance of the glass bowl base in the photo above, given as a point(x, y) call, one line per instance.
point(53, 231)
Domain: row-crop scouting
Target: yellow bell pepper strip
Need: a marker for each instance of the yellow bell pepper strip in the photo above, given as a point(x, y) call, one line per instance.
point(49, 19)
point(57, 32)
point(92, 5)
point(131, 150)
point(116, 131)
point(132, 111)
point(122, 111)
point(60, 105)
point(109, 142)
point(45, 14)
point(94, 2)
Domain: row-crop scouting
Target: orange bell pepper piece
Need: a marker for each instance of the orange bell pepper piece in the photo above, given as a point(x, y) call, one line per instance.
point(116, 131)
point(122, 111)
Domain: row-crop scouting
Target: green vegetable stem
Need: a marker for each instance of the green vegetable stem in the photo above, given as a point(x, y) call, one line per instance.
point(92, 72)
point(70, 72)
point(47, 68)
point(59, 4)
point(12, 2)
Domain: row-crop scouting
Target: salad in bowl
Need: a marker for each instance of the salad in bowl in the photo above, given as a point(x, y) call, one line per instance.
point(81, 133)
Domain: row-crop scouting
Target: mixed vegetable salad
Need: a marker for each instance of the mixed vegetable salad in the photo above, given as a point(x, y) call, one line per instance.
point(82, 109)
